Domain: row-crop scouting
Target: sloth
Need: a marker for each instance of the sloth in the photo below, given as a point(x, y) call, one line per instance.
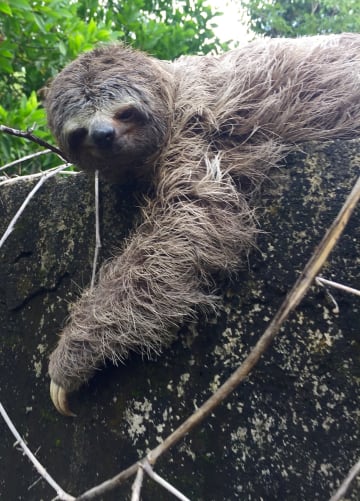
point(199, 135)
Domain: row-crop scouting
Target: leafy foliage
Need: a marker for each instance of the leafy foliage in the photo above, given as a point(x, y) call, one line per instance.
point(37, 38)
point(292, 18)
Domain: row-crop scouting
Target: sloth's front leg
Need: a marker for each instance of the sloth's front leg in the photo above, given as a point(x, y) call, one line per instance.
point(162, 278)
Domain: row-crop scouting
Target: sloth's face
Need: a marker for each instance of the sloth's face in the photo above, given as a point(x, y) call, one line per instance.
point(118, 141)
point(109, 111)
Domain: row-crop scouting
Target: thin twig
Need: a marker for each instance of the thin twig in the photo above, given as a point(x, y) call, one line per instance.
point(146, 465)
point(46, 175)
point(97, 230)
point(16, 179)
point(336, 309)
point(31, 137)
point(344, 487)
point(24, 159)
point(297, 292)
point(39, 467)
point(342, 287)
point(35, 483)
point(136, 486)
point(110, 484)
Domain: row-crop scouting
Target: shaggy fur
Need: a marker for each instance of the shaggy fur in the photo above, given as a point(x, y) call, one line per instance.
point(203, 132)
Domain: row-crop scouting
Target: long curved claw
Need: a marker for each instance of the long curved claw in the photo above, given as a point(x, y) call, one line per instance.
point(60, 400)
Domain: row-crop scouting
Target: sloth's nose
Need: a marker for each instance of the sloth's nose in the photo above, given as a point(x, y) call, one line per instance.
point(103, 135)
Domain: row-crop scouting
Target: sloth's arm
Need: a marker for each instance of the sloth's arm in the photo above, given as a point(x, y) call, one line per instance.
point(194, 229)
point(292, 90)
point(319, 95)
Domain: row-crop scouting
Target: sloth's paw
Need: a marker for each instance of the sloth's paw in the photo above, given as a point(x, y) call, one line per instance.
point(59, 398)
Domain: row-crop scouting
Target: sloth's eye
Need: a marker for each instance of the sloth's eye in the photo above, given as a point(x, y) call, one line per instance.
point(126, 115)
point(76, 137)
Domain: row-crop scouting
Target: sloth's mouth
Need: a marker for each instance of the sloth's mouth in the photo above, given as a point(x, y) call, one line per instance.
point(113, 166)
point(112, 158)
point(100, 153)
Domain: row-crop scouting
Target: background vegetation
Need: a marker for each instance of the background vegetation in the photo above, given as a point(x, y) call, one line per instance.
point(293, 18)
point(37, 38)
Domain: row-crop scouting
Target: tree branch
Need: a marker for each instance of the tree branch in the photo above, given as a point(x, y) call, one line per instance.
point(336, 285)
point(24, 159)
point(31, 137)
point(297, 292)
point(61, 494)
point(344, 487)
point(146, 466)
point(46, 175)
point(136, 486)
point(13, 180)
point(97, 230)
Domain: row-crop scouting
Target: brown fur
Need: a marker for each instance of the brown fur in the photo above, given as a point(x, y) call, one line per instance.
point(204, 132)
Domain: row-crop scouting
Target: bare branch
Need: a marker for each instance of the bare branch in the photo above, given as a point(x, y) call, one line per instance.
point(344, 487)
point(342, 287)
point(136, 486)
point(146, 465)
point(336, 309)
point(61, 494)
point(36, 481)
point(16, 179)
point(46, 175)
point(97, 230)
point(24, 159)
point(31, 137)
point(109, 485)
point(297, 292)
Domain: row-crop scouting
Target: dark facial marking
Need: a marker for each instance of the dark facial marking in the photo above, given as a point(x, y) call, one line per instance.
point(76, 138)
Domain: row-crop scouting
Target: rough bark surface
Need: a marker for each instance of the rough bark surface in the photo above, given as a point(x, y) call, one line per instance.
point(290, 432)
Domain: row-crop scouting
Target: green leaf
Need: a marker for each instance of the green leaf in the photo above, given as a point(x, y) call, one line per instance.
point(21, 4)
point(5, 8)
point(40, 23)
point(5, 66)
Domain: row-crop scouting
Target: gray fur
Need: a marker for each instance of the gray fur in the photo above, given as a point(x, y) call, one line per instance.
point(209, 131)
